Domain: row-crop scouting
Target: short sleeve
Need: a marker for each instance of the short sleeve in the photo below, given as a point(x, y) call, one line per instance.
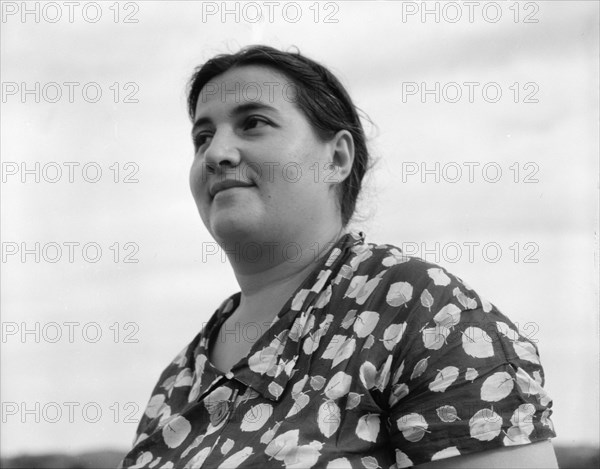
point(464, 380)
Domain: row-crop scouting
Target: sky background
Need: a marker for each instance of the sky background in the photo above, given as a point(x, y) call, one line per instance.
point(149, 310)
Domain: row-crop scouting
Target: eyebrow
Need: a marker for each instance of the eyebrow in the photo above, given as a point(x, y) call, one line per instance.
point(236, 111)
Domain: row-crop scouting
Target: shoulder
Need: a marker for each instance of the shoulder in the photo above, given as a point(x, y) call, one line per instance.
point(383, 276)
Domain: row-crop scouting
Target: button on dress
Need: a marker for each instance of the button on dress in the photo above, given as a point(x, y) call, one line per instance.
point(378, 360)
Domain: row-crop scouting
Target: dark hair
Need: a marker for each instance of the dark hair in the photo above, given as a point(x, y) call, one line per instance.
point(319, 95)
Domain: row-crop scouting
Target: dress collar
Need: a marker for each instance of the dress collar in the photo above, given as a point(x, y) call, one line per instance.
point(272, 359)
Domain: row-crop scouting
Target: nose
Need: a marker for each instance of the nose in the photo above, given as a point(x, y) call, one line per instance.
point(222, 151)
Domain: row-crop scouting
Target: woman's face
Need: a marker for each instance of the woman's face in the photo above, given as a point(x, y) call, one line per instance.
point(249, 133)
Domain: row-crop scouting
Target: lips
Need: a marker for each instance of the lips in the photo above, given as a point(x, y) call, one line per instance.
point(227, 184)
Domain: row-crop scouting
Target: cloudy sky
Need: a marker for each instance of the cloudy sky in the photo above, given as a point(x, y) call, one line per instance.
point(528, 208)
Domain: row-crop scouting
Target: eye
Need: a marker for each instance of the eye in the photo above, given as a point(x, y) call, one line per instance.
point(254, 122)
point(200, 139)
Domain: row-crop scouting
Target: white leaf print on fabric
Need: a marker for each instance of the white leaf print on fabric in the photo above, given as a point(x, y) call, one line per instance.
point(522, 421)
point(198, 458)
point(450, 452)
point(323, 298)
point(164, 415)
point(363, 252)
point(334, 345)
point(467, 302)
point(197, 378)
point(299, 386)
point(353, 400)
point(398, 373)
point(311, 343)
point(485, 425)
point(367, 374)
point(447, 413)
point(217, 406)
point(180, 359)
point(140, 438)
point(471, 374)
point(370, 462)
point(269, 434)
point(438, 276)
point(477, 343)
point(328, 418)
point(304, 456)
point(297, 327)
point(443, 379)
point(395, 257)
point(348, 319)
point(216, 397)
point(419, 368)
point(402, 460)
point(413, 426)
point(448, 316)
point(383, 374)
point(369, 342)
point(308, 327)
point(154, 405)
point(426, 299)
point(197, 441)
point(339, 463)
point(335, 253)
point(486, 305)
point(356, 285)
point(434, 338)
point(169, 383)
point(279, 447)
point(398, 392)
point(184, 378)
point(299, 299)
point(176, 431)
point(300, 401)
point(545, 419)
point(338, 385)
point(529, 386)
point(263, 360)
point(515, 436)
point(142, 460)
point(275, 389)
point(367, 289)
point(322, 277)
point(236, 459)
point(226, 447)
point(526, 351)
point(507, 331)
point(317, 382)
point(399, 294)
point(256, 417)
point(345, 351)
point(393, 334)
point(497, 387)
point(368, 427)
point(365, 323)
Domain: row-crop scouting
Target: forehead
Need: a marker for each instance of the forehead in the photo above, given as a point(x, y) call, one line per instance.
point(247, 84)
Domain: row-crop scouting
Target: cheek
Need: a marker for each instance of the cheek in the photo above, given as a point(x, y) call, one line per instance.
point(197, 180)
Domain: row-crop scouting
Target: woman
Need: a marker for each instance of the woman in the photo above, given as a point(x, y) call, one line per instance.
point(359, 356)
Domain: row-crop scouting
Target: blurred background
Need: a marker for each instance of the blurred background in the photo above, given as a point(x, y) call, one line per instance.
point(486, 139)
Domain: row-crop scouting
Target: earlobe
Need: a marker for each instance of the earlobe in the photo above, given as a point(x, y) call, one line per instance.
point(343, 155)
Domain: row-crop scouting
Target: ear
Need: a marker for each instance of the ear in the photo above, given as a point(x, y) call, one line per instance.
point(342, 156)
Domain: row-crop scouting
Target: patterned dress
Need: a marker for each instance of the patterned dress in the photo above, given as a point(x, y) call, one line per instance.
point(378, 360)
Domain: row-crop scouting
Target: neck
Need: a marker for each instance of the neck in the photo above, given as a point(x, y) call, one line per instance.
point(269, 279)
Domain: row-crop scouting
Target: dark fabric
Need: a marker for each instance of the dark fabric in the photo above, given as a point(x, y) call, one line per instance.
point(377, 360)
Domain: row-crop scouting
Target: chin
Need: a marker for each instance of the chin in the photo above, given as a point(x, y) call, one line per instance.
point(235, 228)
